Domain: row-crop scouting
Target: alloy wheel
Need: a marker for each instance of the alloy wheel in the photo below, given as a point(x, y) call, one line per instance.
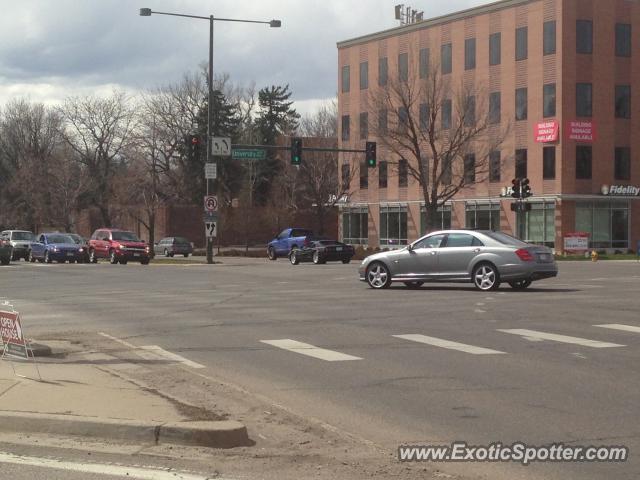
point(485, 277)
point(378, 276)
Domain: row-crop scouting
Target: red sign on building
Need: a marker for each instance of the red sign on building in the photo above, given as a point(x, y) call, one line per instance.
point(546, 132)
point(582, 131)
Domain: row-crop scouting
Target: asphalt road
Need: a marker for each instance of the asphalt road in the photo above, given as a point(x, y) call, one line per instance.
point(527, 366)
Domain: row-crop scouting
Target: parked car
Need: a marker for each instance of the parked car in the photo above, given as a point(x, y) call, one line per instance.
point(171, 246)
point(119, 246)
point(322, 251)
point(286, 241)
point(484, 258)
point(81, 242)
point(21, 242)
point(6, 249)
point(55, 246)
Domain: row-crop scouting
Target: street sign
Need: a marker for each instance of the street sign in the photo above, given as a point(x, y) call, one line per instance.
point(248, 154)
point(221, 146)
point(211, 203)
point(210, 217)
point(12, 336)
point(210, 229)
point(210, 171)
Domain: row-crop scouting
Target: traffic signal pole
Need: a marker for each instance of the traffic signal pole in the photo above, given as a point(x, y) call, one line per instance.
point(209, 133)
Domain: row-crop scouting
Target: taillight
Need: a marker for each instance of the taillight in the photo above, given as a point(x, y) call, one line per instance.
point(524, 255)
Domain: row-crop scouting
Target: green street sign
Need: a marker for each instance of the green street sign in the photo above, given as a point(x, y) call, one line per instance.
point(248, 154)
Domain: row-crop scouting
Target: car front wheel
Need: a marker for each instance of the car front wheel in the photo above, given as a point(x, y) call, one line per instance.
point(271, 253)
point(112, 257)
point(378, 276)
point(293, 258)
point(486, 278)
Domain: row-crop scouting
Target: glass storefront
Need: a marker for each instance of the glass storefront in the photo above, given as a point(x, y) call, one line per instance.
point(393, 225)
point(444, 218)
point(483, 216)
point(539, 224)
point(606, 222)
point(355, 225)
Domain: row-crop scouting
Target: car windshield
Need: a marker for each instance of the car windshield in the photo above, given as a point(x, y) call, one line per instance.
point(22, 236)
point(505, 239)
point(125, 236)
point(76, 238)
point(60, 239)
point(299, 232)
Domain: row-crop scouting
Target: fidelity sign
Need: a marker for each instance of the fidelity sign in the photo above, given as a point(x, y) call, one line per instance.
point(622, 190)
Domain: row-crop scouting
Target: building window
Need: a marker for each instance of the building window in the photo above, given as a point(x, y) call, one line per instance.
point(364, 75)
point(445, 59)
point(549, 100)
point(623, 101)
point(583, 162)
point(403, 118)
point(521, 104)
point(364, 176)
point(584, 100)
point(446, 171)
point(521, 43)
point(483, 216)
point(355, 226)
point(494, 48)
point(345, 128)
point(383, 71)
point(424, 62)
point(521, 163)
point(606, 222)
point(539, 224)
point(383, 174)
point(548, 163)
point(623, 40)
point(470, 112)
point(622, 169)
point(393, 225)
point(470, 168)
point(470, 54)
point(364, 125)
point(346, 177)
point(403, 67)
point(403, 173)
point(549, 38)
point(494, 107)
point(446, 114)
point(494, 166)
point(443, 219)
point(345, 79)
point(424, 116)
point(584, 37)
point(383, 121)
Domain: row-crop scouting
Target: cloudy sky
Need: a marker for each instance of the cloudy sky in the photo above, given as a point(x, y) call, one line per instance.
point(50, 49)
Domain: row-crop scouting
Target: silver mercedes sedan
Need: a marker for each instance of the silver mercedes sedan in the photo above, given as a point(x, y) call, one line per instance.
point(484, 258)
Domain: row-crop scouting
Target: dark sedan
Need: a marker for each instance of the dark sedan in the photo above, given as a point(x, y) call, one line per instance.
point(81, 242)
point(322, 251)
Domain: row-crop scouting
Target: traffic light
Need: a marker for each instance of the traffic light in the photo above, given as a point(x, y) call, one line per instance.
point(525, 188)
point(370, 153)
point(296, 151)
point(192, 144)
point(516, 191)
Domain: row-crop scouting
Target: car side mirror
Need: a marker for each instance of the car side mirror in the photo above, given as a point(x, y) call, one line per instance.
point(410, 247)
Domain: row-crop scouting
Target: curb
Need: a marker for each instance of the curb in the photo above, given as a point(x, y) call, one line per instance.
point(220, 434)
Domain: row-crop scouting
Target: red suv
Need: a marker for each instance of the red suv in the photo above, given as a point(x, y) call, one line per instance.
point(119, 246)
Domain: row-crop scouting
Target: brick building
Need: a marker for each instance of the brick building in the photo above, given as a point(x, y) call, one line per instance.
point(565, 74)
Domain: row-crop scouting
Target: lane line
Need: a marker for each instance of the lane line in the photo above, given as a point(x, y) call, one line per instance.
point(120, 341)
point(439, 342)
point(310, 350)
point(172, 356)
point(618, 326)
point(585, 342)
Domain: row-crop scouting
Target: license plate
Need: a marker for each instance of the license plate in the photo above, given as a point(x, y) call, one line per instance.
point(544, 257)
point(338, 249)
point(69, 254)
point(136, 254)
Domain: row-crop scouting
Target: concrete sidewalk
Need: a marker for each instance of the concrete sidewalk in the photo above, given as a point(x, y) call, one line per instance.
point(82, 394)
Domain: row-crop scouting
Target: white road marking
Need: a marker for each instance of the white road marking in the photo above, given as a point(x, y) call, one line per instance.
point(439, 342)
point(585, 342)
point(617, 326)
point(140, 473)
point(310, 350)
point(172, 356)
point(121, 342)
point(477, 310)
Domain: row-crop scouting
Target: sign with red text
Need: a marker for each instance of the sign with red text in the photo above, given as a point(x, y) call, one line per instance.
point(12, 335)
point(576, 242)
point(582, 131)
point(547, 132)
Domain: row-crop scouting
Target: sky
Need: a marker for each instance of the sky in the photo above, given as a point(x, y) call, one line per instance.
point(52, 49)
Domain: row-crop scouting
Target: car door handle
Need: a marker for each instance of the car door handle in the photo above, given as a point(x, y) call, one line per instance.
point(434, 253)
point(477, 250)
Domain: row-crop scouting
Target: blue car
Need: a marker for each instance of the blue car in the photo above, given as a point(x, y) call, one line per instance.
point(287, 240)
point(56, 246)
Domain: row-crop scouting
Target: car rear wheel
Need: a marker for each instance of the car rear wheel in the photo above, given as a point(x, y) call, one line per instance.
point(186, 255)
point(346, 260)
point(317, 258)
point(92, 256)
point(414, 284)
point(271, 253)
point(293, 258)
point(520, 284)
point(486, 277)
point(378, 276)
point(112, 257)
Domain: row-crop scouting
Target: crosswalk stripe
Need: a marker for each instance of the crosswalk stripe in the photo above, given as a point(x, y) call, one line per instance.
point(617, 326)
point(439, 342)
point(585, 342)
point(310, 350)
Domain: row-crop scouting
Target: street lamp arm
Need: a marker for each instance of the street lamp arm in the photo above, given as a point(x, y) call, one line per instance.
point(177, 15)
point(148, 12)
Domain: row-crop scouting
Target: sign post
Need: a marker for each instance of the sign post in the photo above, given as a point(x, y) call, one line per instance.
point(13, 342)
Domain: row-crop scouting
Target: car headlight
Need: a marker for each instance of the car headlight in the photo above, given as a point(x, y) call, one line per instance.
point(80, 250)
point(55, 249)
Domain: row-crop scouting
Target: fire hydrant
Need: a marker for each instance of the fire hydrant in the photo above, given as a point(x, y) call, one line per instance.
point(594, 256)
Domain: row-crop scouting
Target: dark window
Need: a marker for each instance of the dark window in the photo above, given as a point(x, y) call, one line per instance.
point(424, 62)
point(494, 107)
point(364, 125)
point(470, 168)
point(383, 71)
point(623, 101)
point(583, 100)
point(549, 100)
point(623, 40)
point(470, 54)
point(345, 128)
point(445, 58)
point(521, 163)
point(345, 79)
point(382, 121)
point(364, 75)
point(494, 49)
point(583, 162)
point(521, 43)
point(521, 104)
point(470, 112)
point(346, 176)
point(424, 116)
point(403, 67)
point(622, 170)
point(494, 166)
point(549, 38)
point(446, 114)
point(364, 176)
point(382, 174)
point(403, 118)
point(548, 163)
point(584, 36)
point(403, 173)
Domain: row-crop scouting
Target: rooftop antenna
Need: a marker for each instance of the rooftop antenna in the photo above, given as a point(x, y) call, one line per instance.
point(408, 15)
